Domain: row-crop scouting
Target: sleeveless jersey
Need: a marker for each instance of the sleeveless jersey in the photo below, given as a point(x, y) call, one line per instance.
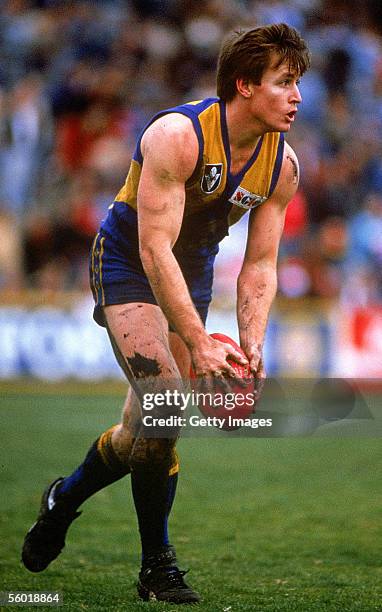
point(214, 198)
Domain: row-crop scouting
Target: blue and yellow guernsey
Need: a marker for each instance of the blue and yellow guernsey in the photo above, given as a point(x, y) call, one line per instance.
point(215, 198)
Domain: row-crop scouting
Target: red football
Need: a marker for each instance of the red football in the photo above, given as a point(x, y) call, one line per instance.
point(229, 406)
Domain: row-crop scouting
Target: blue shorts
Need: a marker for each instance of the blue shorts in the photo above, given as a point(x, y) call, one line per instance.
point(117, 275)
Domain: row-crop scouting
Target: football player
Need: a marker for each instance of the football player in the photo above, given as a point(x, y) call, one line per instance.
point(197, 168)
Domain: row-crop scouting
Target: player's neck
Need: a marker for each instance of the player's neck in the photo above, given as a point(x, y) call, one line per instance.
point(243, 129)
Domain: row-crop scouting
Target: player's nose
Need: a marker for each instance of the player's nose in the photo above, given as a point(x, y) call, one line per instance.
point(296, 96)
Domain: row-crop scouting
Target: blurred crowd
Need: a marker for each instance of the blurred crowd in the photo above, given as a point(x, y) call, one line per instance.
point(79, 79)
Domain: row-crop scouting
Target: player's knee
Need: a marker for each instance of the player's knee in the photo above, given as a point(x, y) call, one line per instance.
point(155, 454)
point(122, 442)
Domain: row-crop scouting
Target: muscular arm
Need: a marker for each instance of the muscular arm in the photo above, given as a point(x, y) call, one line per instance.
point(257, 281)
point(170, 152)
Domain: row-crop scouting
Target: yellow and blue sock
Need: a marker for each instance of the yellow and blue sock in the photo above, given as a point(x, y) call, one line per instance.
point(171, 491)
point(100, 468)
point(154, 489)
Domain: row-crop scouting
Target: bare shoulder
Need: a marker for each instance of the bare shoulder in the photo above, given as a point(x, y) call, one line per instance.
point(172, 143)
point(289, 177)
point(168, 127)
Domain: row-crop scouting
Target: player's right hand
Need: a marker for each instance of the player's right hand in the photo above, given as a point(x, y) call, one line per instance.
point(209, 360)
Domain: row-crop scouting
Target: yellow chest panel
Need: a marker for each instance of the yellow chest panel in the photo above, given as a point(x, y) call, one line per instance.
point(212, 181)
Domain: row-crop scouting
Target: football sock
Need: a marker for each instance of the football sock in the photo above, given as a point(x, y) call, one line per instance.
point(171, 490)
point(154, 491)
point(100, 468)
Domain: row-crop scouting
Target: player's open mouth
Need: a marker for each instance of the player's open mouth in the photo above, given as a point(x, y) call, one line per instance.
point(291, 115)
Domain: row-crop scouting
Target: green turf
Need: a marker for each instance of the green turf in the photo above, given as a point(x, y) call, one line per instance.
point(275, 524)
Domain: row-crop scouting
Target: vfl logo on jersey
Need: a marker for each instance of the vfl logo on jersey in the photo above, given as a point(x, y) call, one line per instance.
point(212, 177)
point(245, 199)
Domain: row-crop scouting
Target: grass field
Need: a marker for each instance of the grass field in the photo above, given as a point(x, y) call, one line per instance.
point(278, 524)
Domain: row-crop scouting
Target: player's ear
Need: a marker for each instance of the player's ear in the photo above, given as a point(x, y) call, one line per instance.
point(244, 87)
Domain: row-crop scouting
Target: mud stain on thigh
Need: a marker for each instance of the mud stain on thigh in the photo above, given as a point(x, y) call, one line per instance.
point(142, 366)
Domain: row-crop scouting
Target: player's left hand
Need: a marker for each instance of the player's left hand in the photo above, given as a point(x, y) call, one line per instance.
point(256, 364)
point(255, 358)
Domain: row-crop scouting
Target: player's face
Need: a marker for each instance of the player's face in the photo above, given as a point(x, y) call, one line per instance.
point(275, 100)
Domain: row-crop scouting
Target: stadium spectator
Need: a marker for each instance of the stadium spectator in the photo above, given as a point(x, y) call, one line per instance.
point(10, 251)
point(26, 136)
point(364, 257)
